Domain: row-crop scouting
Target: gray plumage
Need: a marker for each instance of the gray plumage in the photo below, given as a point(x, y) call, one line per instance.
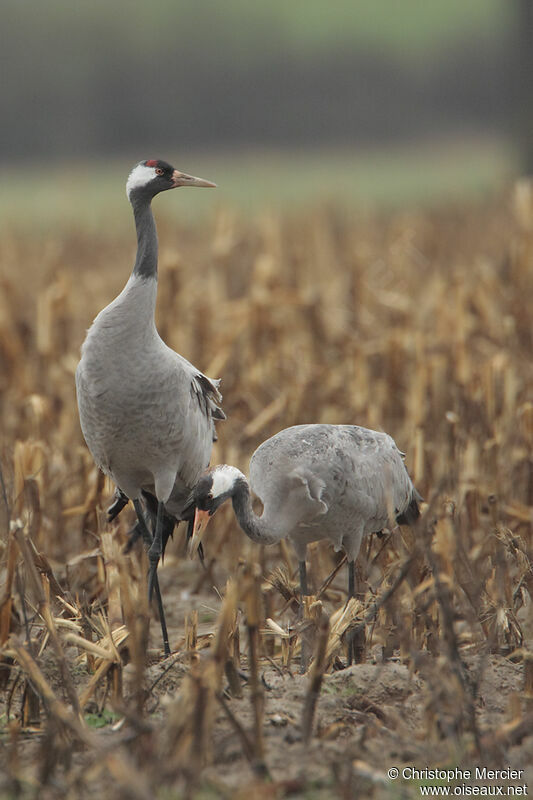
point(336, 482)
point(146, 413)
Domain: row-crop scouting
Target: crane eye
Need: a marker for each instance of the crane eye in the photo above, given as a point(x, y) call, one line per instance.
point(159, 171)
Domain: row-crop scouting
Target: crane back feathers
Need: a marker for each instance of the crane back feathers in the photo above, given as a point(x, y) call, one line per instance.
point(336, 482)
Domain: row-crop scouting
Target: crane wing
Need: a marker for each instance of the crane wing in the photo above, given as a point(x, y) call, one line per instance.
point(358, 471)
point(381, 482)
point(312, 490)
point(159, 411)
point(191, 418)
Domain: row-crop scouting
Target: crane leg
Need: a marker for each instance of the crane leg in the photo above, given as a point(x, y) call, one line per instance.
point(305, 650)
point(133, 535)
point(118, 504)
point(356, 640)
point(351, 578)
point(156, 548)
point(147, 538)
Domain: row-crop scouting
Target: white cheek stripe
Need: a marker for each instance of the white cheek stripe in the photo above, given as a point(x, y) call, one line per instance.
point(139, 176)
point(223, 479)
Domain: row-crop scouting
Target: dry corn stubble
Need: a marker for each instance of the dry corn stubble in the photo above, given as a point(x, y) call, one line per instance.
point(417, 324)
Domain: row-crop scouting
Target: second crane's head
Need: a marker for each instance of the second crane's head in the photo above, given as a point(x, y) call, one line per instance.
point(215, 486)
point(148, 178)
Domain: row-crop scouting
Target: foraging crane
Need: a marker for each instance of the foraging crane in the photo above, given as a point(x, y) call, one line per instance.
point(146, 413)
point(336, 482)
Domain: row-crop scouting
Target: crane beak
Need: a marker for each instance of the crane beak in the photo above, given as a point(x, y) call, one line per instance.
point(182, 179)
point(201, 519)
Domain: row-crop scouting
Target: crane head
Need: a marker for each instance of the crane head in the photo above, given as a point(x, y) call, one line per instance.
point(148, 178)
point(214, 487)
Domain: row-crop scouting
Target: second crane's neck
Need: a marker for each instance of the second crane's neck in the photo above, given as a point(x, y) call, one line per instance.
point(266, 529)
point(146, 261)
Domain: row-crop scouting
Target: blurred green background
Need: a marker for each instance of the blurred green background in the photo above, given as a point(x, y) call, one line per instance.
point(281, 103)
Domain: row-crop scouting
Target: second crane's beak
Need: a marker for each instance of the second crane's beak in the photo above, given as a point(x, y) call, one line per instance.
point(201, 519)
point(182, 179)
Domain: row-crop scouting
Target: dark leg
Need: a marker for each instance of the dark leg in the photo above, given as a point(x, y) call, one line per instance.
point(351, 579)
point(133, 535)
point(351, 593)
point(141, 529)
point(118, 504)
point(156, 548)
point(147, 538)
point(305, 633)
point(356, 641)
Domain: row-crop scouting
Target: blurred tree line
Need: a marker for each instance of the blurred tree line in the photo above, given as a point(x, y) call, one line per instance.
point(89, 78)
point(524, 84)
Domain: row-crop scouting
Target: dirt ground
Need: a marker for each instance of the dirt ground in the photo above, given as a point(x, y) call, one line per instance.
point(370, 717)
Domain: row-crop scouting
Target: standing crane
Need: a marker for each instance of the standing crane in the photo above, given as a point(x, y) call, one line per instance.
point(147, 414)
point(336, 482)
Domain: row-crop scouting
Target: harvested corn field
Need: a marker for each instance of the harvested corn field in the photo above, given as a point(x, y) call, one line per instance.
point(416, 323)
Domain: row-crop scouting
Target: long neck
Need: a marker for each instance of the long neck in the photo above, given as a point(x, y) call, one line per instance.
point(146, 261)
point(258, 529)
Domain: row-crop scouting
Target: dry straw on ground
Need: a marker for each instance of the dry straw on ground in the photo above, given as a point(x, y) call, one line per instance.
point(415, 323)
